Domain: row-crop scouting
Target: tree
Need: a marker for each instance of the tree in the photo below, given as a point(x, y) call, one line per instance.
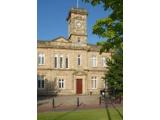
point(110, 29)
point(114, 76)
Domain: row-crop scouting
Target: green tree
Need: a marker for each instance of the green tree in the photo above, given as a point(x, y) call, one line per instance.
point(110, 29)
point(114, 76)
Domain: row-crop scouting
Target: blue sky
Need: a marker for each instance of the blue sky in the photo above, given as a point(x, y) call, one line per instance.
point(52, 14)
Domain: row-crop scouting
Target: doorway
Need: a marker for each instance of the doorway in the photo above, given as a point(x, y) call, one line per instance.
point(79, 86)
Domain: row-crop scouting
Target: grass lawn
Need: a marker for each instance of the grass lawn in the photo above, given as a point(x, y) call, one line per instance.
point(95, 114)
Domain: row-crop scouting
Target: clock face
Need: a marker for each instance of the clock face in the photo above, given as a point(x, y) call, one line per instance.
point(78, 24)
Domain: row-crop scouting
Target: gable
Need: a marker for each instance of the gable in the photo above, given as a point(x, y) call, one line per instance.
point(60, 39)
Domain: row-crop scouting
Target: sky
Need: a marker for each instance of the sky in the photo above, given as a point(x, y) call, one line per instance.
point(52, 14)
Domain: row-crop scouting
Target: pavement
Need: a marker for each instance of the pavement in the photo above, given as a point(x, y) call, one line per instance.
point(69, 103)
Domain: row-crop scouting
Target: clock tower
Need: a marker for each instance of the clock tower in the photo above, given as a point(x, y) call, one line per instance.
point(77, 26)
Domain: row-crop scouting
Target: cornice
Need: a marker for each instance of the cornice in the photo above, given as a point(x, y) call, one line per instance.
point(80, 11)
point(70, 47)
point(86, 70)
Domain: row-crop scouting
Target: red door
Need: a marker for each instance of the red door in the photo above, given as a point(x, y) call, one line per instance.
point(79, 86)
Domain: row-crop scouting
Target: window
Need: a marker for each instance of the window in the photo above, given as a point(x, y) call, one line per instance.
point(61, 83)
point(56, 62)
point(103, 61)
point(61, 62)
point(105, 84)
point(94, 61)
point(94, 82)
point(40, 80)
point(41, 59)
point(78, 40)
point(66, 62)
point(79, 60)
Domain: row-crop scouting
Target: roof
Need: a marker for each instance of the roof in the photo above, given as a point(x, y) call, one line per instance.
point(52, 39)
point(60, 37)
point(81, 11)
point(60, 43)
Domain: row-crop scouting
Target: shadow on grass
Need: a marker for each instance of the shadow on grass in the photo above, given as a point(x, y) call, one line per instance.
point(107, 102)
point(107, 110)
point(65, 114)
point(120, 114)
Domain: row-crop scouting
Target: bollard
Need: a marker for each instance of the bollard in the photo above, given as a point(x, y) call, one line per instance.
point(77, 101)
point(53, 103)
point(100, 100)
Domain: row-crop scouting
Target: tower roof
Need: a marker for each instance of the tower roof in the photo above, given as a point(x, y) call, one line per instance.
point(81, 11)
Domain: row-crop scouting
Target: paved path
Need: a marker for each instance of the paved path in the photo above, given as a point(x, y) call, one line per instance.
point(65, 103)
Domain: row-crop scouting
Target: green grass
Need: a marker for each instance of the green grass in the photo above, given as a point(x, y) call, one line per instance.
point(95, 114)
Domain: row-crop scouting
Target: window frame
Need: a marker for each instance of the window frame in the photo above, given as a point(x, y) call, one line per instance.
point(41, 81)
point(56, 61)
point(61, 62)
point(61, 82)
point(94, 82)
point(67, 62)
point(94, 61)
point(104, 61)
point(79, 60)
point(78, 40)
point(41, 59)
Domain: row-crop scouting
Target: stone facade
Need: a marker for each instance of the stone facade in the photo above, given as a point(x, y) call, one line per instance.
point(71, 66)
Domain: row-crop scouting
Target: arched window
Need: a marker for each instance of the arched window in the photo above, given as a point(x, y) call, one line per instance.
point(55, 61)
point(78, 40)
point(41, 59)
point(66, 62)
point(79, 60)
point(61, 62)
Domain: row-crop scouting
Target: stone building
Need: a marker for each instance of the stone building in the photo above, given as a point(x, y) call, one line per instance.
point(72, 65)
